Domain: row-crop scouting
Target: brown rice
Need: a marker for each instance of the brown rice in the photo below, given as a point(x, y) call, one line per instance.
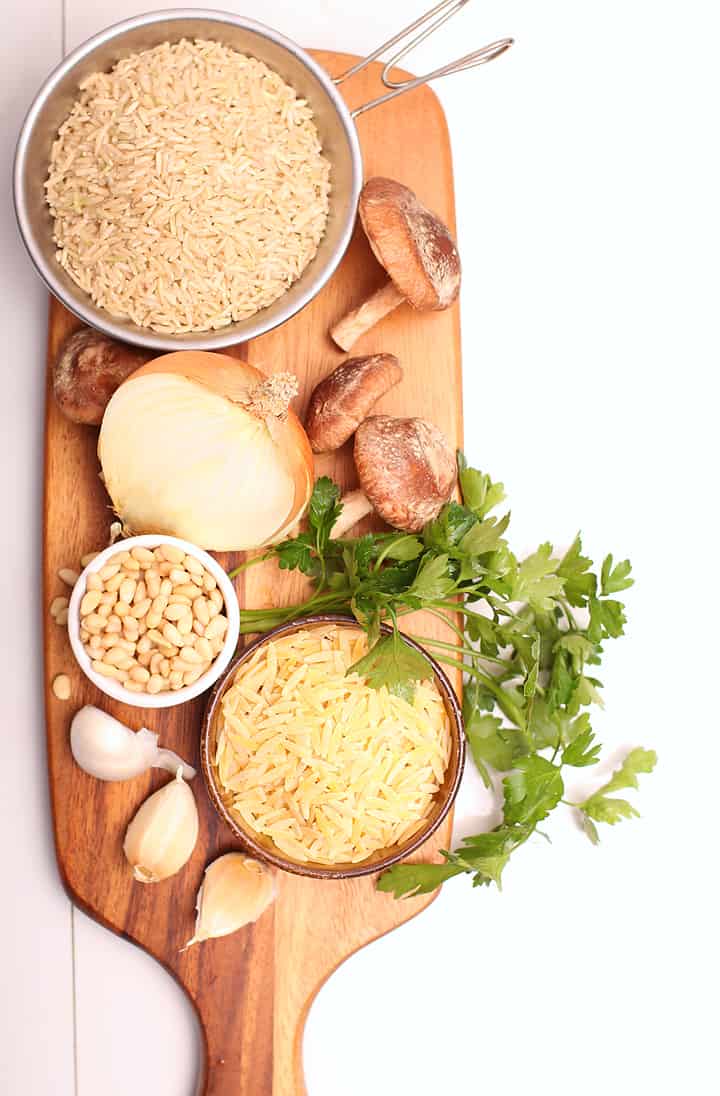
point(188, 187)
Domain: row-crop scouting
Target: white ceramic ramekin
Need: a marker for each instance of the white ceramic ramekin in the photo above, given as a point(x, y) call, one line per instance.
point(115, 689)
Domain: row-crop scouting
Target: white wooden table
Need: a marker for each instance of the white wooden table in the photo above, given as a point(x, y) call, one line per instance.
point(587, 202)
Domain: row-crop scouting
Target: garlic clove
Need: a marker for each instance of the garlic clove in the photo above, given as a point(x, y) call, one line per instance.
point(108, 750)
point(162, 835)
point(235, 891)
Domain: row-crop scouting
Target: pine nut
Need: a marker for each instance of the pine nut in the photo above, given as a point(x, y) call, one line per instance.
point(121, 558)
point(141, 609)
point(94, 582)
point(88, 558)
point(84, 635)
point(217, 643)
point(166, 587)
point(189, 654)
point(134, 686)
point(184, 625)
point(212, 609)
point(164, 568)
point(142, 555)
point(142, 627)
point(178, 575)
point(188, 589)
point(107, 599)
point(203, 649)
point(126, 644)
point(127, 590)
point(155, 684)
point(209, 582)
point(157, 552)
point(104, 611)
point(153, 621)
point(61, 686)
point(140, 592)
point(180, 666)
point(192, 676)
point(144, 658)
point(113, 584)
point(59, 603)
point(144, 645)
point(171, 634)
point(95, 643)
point(194, 566)
point(114, 624)
point(174, 611)
point(106, 670)
point(176, 679)
point(108, 640)
point(62, 618)
point(155, 661)
point(152, 582)
point(216, 627)
point(131, 633)
point(68, 576)
point(200, 610)
point(198, 628)
point(131, 565)
point(139, 673)
point(122, 610)
point(171, 553)
point(116, 656)
point(165, 667)
point(89, 603)
point(179, 599)
point(94, 623)
point(109, 571)
point(216, 598)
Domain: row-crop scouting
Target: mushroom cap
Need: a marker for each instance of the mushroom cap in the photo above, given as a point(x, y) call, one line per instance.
point(406, 469)
point(344, 398)
point(413, 245)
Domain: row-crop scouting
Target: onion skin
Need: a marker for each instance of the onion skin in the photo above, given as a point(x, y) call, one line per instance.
point(232, 379)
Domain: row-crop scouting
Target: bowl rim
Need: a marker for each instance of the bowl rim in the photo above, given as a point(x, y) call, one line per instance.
point(99, 318)
point(115, 689)
point(316, 871)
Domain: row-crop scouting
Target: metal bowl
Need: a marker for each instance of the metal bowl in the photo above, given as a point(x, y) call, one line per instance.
point(265, 849)
point(333, 119)
point(54, 102)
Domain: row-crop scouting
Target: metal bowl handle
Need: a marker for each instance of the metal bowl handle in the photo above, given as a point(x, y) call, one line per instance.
point(427, 24)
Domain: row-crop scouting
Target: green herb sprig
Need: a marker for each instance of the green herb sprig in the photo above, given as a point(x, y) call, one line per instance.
point(530, 641)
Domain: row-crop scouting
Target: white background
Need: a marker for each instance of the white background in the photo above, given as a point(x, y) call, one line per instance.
point(587, 189)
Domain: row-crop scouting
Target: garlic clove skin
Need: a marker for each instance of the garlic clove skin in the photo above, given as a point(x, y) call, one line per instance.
point(108, 750)
point(162, 835)
point(235, 891)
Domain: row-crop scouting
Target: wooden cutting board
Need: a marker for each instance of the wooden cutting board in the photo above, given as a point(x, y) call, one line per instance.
point(252, 990)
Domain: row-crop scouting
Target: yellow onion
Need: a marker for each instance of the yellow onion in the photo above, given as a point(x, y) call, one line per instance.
point(204, 447)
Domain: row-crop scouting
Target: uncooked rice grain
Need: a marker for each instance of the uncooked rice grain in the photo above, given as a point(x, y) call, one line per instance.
point(188, 187)
point(328, 768)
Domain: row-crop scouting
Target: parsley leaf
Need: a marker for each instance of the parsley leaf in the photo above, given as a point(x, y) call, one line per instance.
point(532, 790)
point(583, 750)
point(615, 579)
point(536, 581)
point(479, 493)
point(601, 807)
point(324, 509)
point(407, 880)
point(296, 554)
point(394, 663)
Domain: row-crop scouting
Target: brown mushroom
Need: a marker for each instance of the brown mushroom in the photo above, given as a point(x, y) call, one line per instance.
point(344, 398)
point(416, 250)
point(407, 473)
point(88, 370)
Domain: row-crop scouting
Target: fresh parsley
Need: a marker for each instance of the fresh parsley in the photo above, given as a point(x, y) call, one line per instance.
point(530, 642)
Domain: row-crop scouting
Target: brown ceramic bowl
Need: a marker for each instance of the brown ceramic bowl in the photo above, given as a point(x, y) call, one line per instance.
point(262, 847)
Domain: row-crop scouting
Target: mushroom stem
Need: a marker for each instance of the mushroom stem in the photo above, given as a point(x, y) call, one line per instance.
point(349, 329)
point(356, 506)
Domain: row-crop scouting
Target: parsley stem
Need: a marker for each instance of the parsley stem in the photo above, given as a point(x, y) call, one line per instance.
point(250, 563)
point(430, 641)
point(504, 703)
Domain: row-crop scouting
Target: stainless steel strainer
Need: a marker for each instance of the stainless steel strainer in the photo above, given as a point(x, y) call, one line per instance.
point(335, 122)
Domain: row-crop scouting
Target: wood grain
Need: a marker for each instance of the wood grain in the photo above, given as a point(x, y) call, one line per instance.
point(252, 990)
